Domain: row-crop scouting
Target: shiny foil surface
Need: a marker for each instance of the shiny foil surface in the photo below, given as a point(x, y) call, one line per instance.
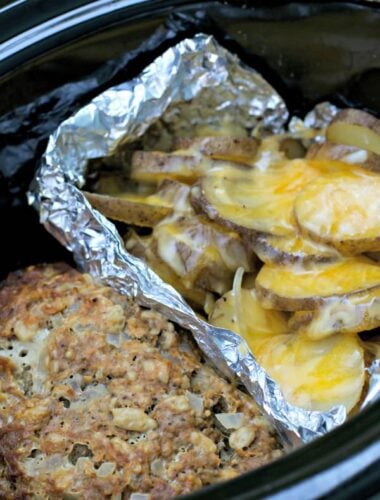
point(194, 82)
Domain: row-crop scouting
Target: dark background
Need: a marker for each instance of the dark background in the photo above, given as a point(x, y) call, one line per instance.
point(55, 58)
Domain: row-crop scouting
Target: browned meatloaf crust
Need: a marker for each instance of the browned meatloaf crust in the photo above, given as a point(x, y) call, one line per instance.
point(100, 398)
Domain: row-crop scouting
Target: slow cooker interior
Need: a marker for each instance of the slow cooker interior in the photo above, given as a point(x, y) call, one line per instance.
point(310, 51)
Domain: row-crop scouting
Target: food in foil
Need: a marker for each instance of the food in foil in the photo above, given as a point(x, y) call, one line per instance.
point(268, 237)
point(195, 108)
point(313, 373)
point(352, 127)
point(101, 398)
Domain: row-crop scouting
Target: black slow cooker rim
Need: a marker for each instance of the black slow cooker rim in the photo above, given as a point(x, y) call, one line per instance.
point(342, 445)
point(23, 23)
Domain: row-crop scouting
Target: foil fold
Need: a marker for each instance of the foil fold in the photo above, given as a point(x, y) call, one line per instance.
point(194, 82)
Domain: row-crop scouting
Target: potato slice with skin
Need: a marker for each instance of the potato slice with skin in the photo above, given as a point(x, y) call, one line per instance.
point(293, 249)
point(346, 154)
point(155, 166)
point(138, 213)
point(353, 127)
point(342, 210)
point(352, 314)
point(315, 375)
point(294, 288)
point(173, 194)
point(200, 253)
point(235, 149)
point(142, 247)
point(144, 211)
point(256, 200)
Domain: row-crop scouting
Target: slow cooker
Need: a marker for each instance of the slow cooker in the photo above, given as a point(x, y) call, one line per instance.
point(54, 57)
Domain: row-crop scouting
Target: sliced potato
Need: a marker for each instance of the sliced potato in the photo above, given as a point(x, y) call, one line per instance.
point(315, 375)
point(138, 213)
point(142, 248)
point(235, 149)
point(173, 194)
point(242, 312)
point(154, 166)
point(287, 250)
point(259, 199)
point(342, 210)
point(144, 210)
point(353, 127)
point(346, 154)
point(352, 314)
point(200, 253)
point(296, 289)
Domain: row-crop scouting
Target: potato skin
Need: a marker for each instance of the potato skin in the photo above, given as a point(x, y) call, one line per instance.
point(202, 206)
point(233, 147)
point(341, 152)
point(306, 289)
point(271, 300)
point(357, 117)
point(268, 252)
point(355, 128)
point(129, 212)
point(352, 314)
point(345, 247)
point(154, 166)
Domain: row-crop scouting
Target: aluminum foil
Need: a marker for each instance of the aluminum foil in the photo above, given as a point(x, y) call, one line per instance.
point(316, 119)
point(373, 393)
point(195, 82)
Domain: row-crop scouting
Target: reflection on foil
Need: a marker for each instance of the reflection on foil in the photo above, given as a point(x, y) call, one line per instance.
point(318, 119)
point(195, 82)
point(373, 393)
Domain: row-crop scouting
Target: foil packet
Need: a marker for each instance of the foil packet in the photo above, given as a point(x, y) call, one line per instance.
point(195, 82)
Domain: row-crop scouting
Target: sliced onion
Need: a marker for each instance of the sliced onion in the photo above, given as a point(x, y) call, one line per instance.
point(236, 293)
point(196, 402)
point(113, 339)
point(230, 421)
point(81, 462)
point(75, 382)
point(90, 392)
point(43, 464)
point(106, 469)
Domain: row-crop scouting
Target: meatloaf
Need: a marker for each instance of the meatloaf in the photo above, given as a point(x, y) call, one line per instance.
point(100, 398)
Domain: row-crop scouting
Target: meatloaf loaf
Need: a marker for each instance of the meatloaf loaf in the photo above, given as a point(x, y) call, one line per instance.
point(100, 398)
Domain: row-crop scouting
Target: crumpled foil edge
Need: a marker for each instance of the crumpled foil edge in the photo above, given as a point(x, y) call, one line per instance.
point(195, 69)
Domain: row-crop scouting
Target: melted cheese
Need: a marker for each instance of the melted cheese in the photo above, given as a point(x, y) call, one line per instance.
point(314, 374)
point(342, 207)
point(191, 248)
point(262, 199)
point(348, 276)
point(350, 314)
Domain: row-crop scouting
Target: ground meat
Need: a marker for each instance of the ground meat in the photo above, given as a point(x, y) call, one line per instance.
point(100, 398)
